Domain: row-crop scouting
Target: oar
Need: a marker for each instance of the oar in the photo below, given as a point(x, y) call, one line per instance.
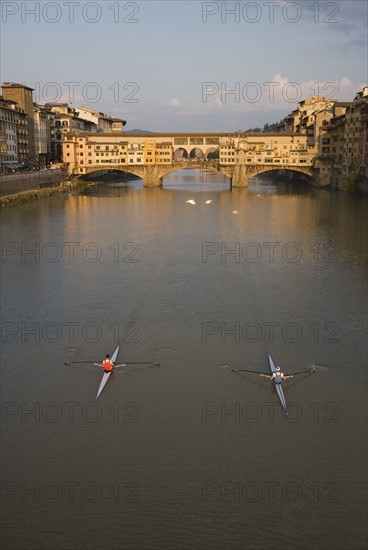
point(78, 362)
point(140, 363)
point(310, 371)
point(137, 363)
point(252, 371)
point(128, 363)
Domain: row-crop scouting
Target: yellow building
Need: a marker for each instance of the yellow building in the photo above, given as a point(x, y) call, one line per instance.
point(150, 152)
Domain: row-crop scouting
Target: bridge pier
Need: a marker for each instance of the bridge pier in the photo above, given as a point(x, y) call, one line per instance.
point(152, 176)
point(237, 174)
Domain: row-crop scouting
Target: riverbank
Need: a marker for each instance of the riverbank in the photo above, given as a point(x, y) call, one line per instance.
point(28, 196)
point(12, 184)
point(35, 186)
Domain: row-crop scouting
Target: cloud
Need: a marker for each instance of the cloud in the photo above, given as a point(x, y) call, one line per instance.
point(174, 102)
point(349, 16)
point(277, 94)
point(345, 81)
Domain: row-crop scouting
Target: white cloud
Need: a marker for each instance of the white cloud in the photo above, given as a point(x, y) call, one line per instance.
point(174, 102)
point(276, 94)
point(345, 81)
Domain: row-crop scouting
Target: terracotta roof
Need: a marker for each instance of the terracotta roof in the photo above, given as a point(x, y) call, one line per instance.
point(15, 85)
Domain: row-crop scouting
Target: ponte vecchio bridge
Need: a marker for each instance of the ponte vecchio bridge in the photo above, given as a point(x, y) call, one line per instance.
point(238, 156)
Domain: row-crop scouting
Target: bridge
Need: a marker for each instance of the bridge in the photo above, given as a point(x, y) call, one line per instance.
point(152, 176)
point(151, 157)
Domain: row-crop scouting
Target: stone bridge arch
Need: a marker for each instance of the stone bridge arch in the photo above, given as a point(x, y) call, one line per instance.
point(240, 174)
point(293, 171)
point(134, 170)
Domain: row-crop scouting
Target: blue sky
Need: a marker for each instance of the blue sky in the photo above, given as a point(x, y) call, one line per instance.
point(171, 65)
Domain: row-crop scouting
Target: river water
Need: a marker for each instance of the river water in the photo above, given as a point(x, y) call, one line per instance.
point(188, 454)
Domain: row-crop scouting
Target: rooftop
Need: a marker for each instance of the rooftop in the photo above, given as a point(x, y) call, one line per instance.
point(16, 85)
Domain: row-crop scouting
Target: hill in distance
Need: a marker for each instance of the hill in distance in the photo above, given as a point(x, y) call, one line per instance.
point(138, 131)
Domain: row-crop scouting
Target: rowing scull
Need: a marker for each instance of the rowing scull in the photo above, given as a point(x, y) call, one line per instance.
point(106, 375)
point(278, 387)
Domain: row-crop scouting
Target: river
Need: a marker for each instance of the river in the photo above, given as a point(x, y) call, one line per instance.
point(188, 454)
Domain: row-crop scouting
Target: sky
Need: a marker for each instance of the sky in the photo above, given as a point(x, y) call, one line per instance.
point(186, 65)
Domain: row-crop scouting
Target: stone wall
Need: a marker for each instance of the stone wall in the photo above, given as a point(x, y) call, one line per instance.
point(26, 181)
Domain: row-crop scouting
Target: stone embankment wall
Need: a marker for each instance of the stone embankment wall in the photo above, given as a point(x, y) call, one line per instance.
point(27, 181)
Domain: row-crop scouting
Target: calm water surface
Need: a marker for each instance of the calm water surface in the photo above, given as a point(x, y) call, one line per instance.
point(188, 454)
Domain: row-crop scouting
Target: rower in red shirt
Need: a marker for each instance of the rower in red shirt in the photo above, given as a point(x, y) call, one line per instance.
point(107, 364)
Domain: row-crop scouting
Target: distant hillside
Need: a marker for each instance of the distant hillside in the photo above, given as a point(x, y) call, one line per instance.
point(138, 131)
point(266, 128)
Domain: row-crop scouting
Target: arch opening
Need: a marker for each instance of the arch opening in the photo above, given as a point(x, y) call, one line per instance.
point(196, 154)
point(213, 153)
point(180, 154)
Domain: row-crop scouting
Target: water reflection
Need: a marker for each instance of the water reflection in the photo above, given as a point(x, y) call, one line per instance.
point(170, 293)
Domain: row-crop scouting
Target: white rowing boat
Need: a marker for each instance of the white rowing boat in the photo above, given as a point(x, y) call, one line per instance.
point(107, 375)
point(278, 387)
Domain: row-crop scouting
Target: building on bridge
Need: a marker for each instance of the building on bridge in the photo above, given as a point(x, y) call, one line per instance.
point(102, 151)
point(280, 150)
